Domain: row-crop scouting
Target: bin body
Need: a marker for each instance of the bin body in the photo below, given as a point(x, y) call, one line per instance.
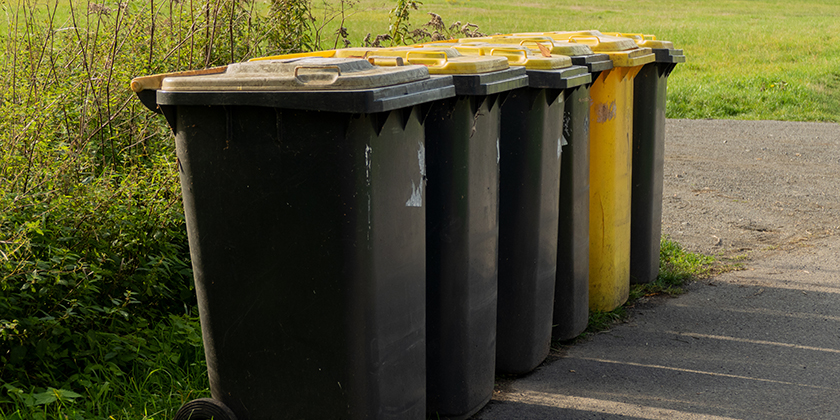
point(319, 223)
point(571, 290)
point(462, 248)
point(307, 237)
point(611, 121)
point(462, 216)
point(649, 99)
point(529, 188)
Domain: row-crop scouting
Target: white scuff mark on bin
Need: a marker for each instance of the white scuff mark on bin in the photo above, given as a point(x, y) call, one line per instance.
point(498, 151)
point(416, 199)
point(560, 142)
point(368, 151)
point(421, 158)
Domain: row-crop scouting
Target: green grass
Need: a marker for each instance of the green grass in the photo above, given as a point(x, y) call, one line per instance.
point(167, 369)
point(750, 60)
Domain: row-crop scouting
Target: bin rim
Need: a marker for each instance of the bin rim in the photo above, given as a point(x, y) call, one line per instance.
point(362, 101)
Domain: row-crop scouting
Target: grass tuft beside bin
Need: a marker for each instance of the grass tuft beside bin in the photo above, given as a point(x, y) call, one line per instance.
point(677, 267)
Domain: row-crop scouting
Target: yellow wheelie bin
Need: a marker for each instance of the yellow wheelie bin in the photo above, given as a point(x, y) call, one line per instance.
point(610, 170)
point(651, 85)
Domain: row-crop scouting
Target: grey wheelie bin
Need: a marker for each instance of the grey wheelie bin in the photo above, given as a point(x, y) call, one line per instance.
point(462, 216)
point(304, 193)
point(571, 290)
point(462, 190)
point(531, 149)
point(650, 85)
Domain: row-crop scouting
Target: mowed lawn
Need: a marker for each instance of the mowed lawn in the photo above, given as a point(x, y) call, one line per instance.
point(776, 60)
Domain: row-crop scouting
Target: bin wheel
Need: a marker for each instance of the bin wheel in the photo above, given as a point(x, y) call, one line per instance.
point(204, 409)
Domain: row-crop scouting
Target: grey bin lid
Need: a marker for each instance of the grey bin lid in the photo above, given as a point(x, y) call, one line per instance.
point(349, 85)
point(307, 73)
point(565, 78)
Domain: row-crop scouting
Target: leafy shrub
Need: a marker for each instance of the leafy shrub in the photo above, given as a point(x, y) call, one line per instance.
point(94, 261)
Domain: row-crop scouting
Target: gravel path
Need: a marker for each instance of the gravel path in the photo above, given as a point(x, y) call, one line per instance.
point(742, 187)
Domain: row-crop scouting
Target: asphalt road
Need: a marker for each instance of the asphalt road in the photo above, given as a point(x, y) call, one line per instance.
point(759, 343)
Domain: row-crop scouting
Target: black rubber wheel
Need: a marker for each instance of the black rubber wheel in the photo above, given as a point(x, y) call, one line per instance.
point(204, 409)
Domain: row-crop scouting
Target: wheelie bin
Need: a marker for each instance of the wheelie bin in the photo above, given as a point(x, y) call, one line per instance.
point(462, 216)
point(462, 233)
point(611, 128)
point(571, 290)
point(531, 149)
point(461, 220)
point(651, 85)
point(304, 196)
point(462, 230)
point(571, 293)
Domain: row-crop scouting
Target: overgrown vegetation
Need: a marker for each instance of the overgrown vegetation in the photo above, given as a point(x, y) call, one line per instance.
point(96, 300)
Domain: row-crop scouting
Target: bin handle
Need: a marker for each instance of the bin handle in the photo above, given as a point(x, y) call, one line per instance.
point(510, 53)
point(574, 39)
point(545, 51)
point(378, 60)
point(536, 40)
point(439, 58)
point(316, 78)
point(478, 50)
point(638, 37)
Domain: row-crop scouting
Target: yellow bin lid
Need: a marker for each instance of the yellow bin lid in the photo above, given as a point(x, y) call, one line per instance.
point(645, 40)
point(439, 60)
point(516, 55)
point(534, 42)
point(622, 51)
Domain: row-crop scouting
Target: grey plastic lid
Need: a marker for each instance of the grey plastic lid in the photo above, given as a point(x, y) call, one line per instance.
point(298, 74)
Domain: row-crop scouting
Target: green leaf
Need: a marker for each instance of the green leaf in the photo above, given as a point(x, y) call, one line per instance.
point(46, 397)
